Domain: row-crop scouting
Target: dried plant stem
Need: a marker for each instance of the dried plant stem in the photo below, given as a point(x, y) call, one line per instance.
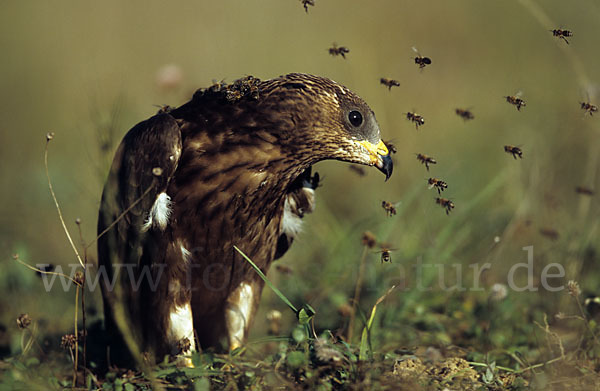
point(25, 346)
point(76, 338)
point(84, 331)
point(49, 137)
point(18, 259)
point(546, 329)
point(357, 289)
point(62, 220)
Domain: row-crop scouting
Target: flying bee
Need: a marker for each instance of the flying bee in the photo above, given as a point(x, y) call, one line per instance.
point(390, 209)
point(438, 184)
point(426, 160)
point(420, 60)
point(464, 114)
point(358, 169)
point(589, 108)
point(391, 147)
point(446, 204)
point(339, 51)
point(562, 34)
point(385, 254)
point(306, 3)
point(389, 83)
point(516, 100)
point(515, 151)
point(416, 118)
point(584, 190)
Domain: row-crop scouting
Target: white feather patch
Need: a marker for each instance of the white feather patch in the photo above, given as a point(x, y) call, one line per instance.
point(181, 325)
point(238, 313)
point(159, 214)
point(291, 223)
point(310, 196)
point(185, 253)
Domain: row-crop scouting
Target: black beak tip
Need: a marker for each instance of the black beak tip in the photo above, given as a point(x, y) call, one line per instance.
point(388, 166)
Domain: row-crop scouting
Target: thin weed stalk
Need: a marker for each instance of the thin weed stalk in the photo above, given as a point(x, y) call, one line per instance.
point(76, 359)
point(17, 258)
point(49, 137)
point(83, 325)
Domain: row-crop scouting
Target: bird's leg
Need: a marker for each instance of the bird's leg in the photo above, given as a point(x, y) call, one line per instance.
point(241, 306)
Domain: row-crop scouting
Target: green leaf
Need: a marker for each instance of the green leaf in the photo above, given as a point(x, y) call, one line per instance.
point(296, 359)
point(202, 384)
point(299, 334)
point(305, 314)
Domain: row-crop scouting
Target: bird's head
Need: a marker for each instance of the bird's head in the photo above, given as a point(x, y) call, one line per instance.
point(320, 119)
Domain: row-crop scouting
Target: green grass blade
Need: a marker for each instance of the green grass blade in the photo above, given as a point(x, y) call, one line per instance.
point(266, 280)
point(365, 348)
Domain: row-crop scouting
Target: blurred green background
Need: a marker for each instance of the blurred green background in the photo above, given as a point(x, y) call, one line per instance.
point(89, 71)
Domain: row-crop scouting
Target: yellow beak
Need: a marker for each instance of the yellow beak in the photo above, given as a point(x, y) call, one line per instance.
point(376, 151)
point(380, 156)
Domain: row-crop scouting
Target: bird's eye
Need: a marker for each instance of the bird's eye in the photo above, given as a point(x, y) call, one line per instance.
point(355, 118)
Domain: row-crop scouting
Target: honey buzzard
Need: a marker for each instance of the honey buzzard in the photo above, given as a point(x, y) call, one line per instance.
point(230, 167)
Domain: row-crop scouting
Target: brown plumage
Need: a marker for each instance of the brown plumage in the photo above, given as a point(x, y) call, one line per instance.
point(230, 167)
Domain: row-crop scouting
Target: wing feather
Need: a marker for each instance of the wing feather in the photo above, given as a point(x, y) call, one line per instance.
point(143, 166)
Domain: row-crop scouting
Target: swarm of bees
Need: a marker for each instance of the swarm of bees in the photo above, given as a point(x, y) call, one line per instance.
point(515, 151)
point(420, 60)
point(426, 160)
point(389, 83)
point(246, 87)
point(338, 51)
point(446, 204)
point(390, 209)
point(306, 3)
point(589, 108)
point(516, 101)
point(562, 34)
point(464, 114)
point(416, 118)
point(438, 184)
